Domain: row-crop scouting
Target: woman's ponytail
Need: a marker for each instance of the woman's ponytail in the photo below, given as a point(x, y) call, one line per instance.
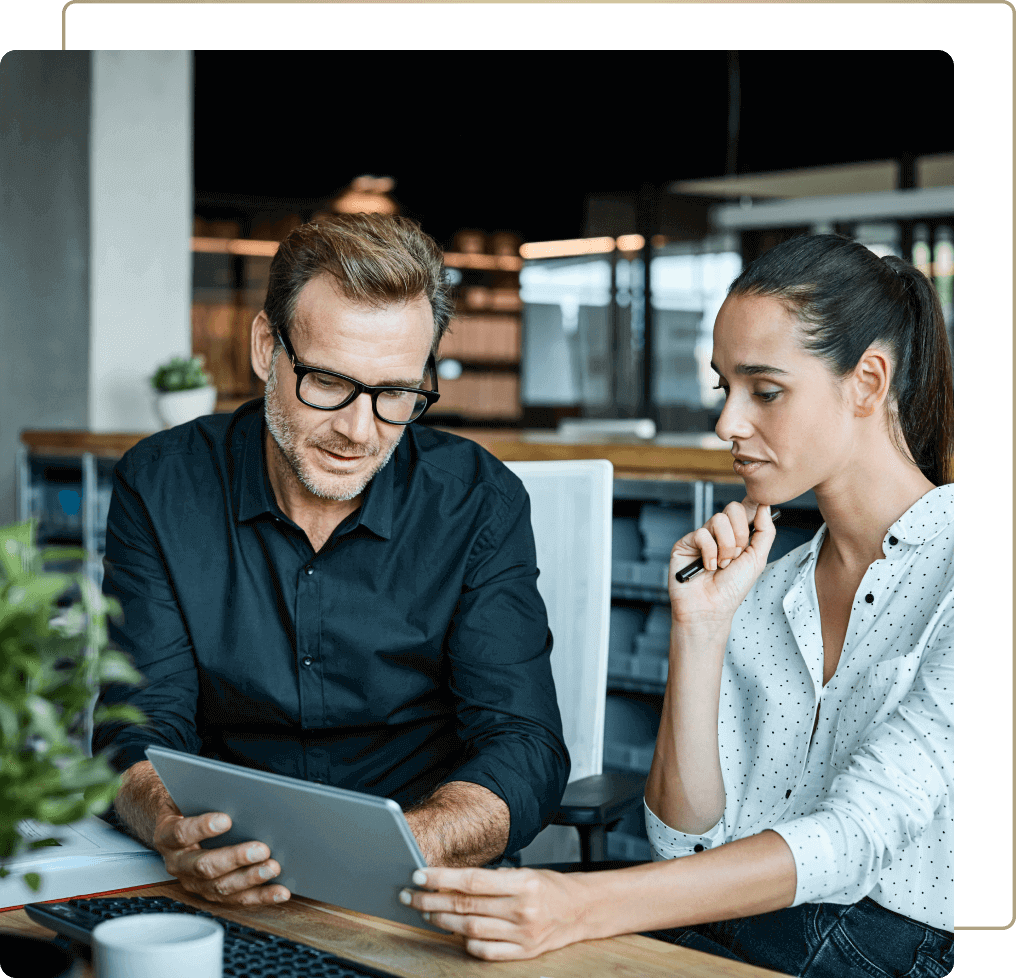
point(925, 394)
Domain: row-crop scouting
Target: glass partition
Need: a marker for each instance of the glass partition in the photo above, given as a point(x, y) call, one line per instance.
point(688, 283)
point(568, 335)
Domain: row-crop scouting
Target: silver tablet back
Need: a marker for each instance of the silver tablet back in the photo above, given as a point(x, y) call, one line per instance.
point(342, 847)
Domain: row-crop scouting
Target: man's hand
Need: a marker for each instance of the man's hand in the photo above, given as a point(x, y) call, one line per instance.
point(233, 874)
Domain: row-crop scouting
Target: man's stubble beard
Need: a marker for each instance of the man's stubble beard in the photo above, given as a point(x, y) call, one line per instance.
point(285, 438)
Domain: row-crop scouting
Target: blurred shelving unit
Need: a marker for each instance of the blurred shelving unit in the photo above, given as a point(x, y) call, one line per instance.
point(480, 353)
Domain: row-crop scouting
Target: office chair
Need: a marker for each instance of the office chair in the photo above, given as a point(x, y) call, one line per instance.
point(571, 509)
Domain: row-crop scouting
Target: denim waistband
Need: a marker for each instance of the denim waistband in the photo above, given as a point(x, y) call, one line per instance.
point(919, 923)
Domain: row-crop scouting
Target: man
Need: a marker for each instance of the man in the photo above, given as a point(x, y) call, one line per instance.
point(318, 587)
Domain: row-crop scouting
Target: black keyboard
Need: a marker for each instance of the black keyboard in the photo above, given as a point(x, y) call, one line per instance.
point(246, 951)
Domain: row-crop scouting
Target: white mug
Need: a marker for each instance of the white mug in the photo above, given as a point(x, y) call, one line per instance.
point(158, 945)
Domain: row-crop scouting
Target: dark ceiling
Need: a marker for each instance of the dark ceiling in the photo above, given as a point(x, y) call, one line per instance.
point(517, 140)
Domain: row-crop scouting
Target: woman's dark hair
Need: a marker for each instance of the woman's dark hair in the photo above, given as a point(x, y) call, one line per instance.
point(373, 259)
point(847, 298)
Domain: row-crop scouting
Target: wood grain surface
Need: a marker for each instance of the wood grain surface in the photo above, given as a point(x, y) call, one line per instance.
point(414, 953)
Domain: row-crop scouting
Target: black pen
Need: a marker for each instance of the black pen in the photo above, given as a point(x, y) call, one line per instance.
point(685, 574)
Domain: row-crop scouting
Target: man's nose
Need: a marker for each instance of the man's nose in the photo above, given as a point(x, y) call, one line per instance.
point(356, 420)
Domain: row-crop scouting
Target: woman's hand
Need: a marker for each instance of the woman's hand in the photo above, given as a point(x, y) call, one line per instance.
point(731, 563)
point(504, 914)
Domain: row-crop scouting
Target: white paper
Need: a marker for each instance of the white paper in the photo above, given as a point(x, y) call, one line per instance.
point(92, 857)
point(91, 838)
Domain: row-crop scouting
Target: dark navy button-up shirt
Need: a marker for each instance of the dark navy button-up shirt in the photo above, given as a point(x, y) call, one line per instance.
point(411, 650)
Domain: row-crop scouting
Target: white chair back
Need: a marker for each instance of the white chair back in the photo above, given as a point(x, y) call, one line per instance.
point(572, 505)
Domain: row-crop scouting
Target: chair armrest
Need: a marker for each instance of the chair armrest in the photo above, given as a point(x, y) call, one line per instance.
point(600, 799)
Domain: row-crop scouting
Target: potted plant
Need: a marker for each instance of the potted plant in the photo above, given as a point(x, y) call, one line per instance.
point(52, 660)
point(183, 390)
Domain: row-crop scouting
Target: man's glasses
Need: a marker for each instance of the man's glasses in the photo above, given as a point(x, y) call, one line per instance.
point(329, 391)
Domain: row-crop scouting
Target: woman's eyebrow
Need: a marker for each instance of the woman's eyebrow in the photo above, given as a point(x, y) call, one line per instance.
point(752, 369)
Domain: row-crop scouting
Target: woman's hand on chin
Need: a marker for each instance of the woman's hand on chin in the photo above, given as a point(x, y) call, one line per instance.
point(732, 563)
point(503, 914)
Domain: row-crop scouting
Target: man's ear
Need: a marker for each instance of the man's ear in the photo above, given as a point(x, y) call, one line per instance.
point(262, 343)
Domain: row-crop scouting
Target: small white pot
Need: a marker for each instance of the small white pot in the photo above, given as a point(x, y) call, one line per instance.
point(177, 407)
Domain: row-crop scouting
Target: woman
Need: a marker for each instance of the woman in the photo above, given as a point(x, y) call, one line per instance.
point(799, 804)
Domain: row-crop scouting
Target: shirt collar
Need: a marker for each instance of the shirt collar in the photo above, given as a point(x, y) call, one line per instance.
point(253, 495)
point(926, 519)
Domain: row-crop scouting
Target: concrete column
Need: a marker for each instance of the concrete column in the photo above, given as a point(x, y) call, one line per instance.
point(141, 212)
point(44, 259)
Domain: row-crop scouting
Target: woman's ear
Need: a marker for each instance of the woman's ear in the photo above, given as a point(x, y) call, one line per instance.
point(871, 379)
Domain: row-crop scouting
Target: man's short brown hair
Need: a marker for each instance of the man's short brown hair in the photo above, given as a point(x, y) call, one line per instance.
point(373, 259)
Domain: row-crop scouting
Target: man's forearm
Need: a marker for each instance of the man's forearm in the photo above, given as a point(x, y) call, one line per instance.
point(460, 824)
point(141, 799)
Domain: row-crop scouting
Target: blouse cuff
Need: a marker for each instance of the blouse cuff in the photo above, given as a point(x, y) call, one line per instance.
point(668, 843)
point(815, 856)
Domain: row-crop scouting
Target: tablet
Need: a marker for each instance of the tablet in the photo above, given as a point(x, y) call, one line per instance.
point(341, 847)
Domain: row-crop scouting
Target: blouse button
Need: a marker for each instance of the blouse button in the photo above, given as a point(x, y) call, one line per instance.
point(699, 847)
point(893, 541)
point(788, 792)
point(308, 661)
point(870, 598)
point(309, 570)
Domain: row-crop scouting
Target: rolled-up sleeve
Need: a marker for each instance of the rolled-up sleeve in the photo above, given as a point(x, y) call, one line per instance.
point(668, 843)
point(499, 647)
point(151, 632)
point(888, 791)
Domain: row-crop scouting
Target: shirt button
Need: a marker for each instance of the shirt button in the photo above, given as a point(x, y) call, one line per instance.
point(893, 541)
point(870, 598)
point(308, 661)
point(788, 793)
point(699, 847)
point(309, 570)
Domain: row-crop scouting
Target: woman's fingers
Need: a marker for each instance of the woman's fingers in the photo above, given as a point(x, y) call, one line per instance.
point(490, 882)
point(765, 532)
point(726, 539)
point(503, 914)
point(468, 891)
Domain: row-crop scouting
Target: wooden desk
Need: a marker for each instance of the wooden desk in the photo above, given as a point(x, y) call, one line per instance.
point(668, 456)
point(415, 953)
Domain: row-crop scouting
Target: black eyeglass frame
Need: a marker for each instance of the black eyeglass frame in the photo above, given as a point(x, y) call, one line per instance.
point(301, 370)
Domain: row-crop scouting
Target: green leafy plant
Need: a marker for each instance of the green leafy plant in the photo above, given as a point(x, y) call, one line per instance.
point(52, 661)
point(181, 374)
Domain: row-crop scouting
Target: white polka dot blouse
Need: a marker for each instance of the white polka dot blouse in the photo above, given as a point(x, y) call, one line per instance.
point(866, 803)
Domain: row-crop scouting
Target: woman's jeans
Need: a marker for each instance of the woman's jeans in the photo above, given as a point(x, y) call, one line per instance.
point(826, 940)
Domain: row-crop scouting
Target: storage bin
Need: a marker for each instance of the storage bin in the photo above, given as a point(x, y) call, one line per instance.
point(625, 624)
point(661, 527)
point(630, 720)
point(626, 541)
